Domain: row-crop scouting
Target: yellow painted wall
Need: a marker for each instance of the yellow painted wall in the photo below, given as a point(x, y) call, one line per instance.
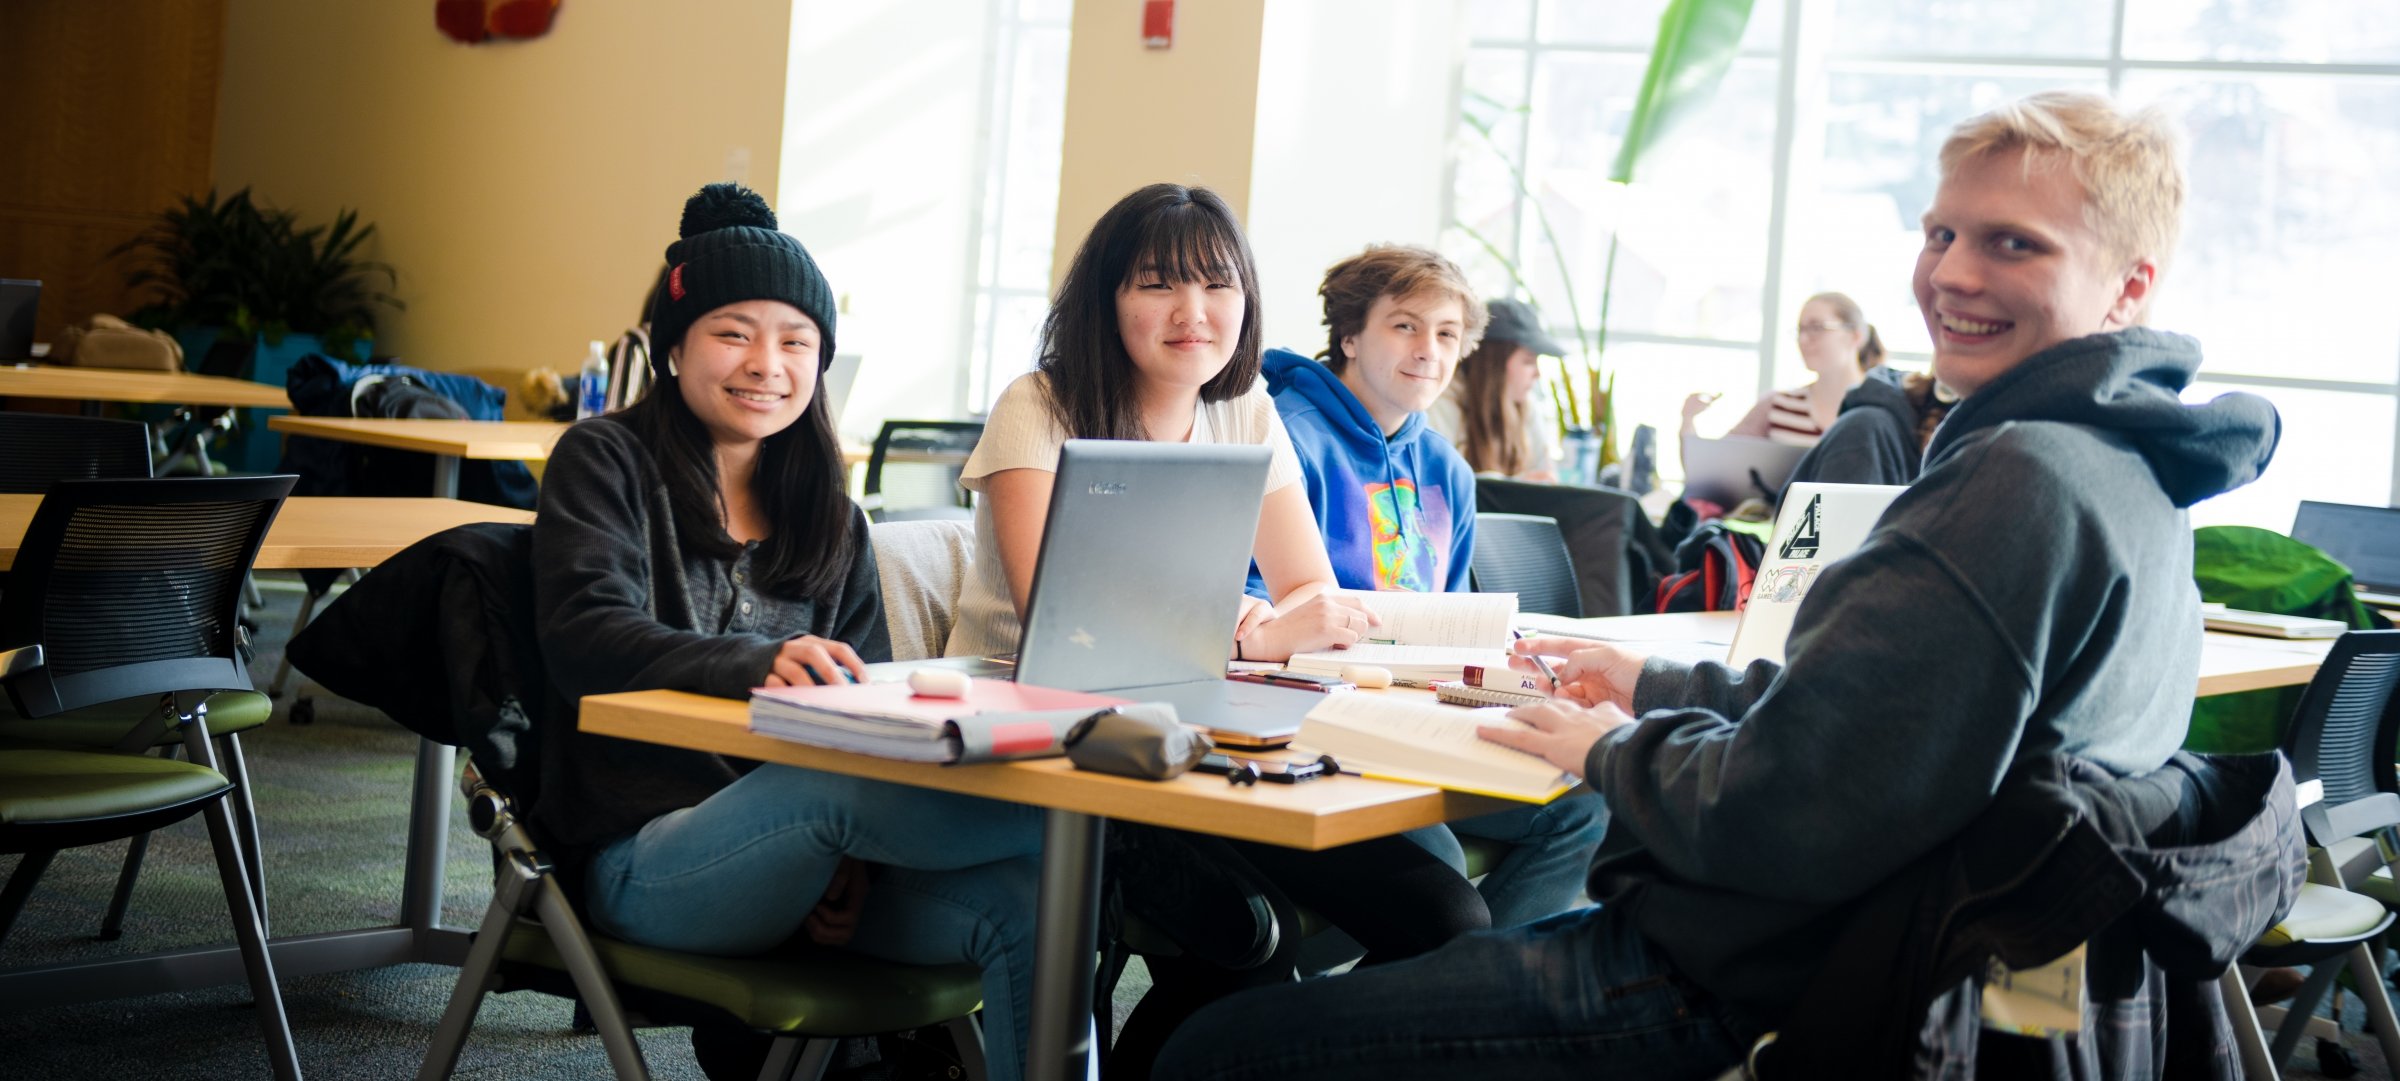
point(1137, 116)
point(524, 190)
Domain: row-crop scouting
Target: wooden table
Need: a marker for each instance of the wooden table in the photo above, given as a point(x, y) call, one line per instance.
point(317, 531)
point(141, 387)
point(447, 440)
point(311, 532)
point(2229, 663)
point(1316, 815)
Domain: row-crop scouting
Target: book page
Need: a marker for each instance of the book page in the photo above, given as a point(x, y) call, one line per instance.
point(1481, 620)
point(1442, 732)
point(1416, 664)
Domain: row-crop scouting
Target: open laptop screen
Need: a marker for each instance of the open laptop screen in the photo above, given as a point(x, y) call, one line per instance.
point(1144, 555)
point(2364, 539)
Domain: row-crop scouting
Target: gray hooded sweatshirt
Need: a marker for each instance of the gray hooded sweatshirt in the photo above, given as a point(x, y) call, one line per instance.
point(2030, 595)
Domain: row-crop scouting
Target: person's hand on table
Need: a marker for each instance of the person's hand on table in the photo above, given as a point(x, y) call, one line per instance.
point(1325, 621)
point(1557, 732)
point(835, 918)
point(1593, 673)
point(828, 660)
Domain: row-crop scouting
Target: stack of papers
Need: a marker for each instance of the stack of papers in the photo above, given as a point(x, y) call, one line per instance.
point(995, 721)
point(2217, 617)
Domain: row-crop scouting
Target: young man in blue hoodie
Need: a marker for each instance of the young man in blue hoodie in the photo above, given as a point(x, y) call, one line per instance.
point(2028, 600)
point(1396, 504)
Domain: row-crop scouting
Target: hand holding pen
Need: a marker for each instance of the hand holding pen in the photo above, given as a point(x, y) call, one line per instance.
point(1592, 672)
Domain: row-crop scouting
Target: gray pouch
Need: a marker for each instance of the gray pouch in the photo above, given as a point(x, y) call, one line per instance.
point(1139, 739)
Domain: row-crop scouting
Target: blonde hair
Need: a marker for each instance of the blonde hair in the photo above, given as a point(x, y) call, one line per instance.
point(1353, 286)
point(2132, 181)
point(1870, 349)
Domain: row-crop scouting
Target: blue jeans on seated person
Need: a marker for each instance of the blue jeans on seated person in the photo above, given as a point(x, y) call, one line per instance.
point(1543, 873)
point(954, 880)
point(1581, 995)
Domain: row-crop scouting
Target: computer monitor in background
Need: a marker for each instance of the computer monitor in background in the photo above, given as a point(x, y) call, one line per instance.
point(835, 386)
point(18, 299)
point(2364, 539)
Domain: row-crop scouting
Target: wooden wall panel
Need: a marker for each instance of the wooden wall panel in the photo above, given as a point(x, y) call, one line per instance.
point(110, 117)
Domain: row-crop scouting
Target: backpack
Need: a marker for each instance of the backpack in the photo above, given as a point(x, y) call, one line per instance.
point(1714, 568)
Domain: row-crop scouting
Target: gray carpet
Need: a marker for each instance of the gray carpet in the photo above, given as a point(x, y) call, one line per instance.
point(333, 799)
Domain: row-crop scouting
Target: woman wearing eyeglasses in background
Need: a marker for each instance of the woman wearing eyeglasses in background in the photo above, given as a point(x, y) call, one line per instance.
point(1838, 344)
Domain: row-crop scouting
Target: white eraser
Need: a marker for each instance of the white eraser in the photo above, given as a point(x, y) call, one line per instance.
point(1368, 676)
point(939, 683)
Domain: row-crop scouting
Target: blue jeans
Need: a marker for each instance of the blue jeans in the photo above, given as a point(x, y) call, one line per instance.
point(954, 880)
point(1575, 997)
point(1543, 874)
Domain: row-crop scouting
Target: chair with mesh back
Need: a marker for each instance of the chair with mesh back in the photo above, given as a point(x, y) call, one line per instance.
point(913, 470)
point(37, 449)
point(2340, 743)
point(126, 591)
point(1524, 554)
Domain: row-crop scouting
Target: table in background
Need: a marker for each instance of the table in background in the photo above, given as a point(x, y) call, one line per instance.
point(310, 532)
point(1317, 815)
point(136, 387)
point(447, 440)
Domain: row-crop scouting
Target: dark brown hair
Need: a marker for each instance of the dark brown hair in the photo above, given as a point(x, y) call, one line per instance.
point(1184, 234)
point(800, 484)
point(1493, 424)
point(1353, 286)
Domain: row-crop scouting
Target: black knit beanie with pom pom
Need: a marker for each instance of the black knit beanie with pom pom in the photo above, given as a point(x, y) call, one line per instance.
point(731, 252)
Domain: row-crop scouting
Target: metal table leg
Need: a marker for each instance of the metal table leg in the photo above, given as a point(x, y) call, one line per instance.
point(428, 836)
point(1066, 932)
point(445, 475)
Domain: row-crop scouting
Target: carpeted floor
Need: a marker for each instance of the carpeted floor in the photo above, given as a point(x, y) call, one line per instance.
point(333, 799)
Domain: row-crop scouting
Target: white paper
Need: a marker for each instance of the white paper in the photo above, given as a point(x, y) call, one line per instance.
point(1480, 620)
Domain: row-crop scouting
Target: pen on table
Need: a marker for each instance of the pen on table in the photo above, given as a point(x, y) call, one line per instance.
point(1538, 662)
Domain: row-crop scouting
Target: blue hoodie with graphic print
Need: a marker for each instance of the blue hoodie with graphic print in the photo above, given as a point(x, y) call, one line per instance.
point(1397, 513)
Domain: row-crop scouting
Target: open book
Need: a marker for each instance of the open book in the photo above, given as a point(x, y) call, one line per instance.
point(1403, 738)
point(996, 720)
point(1424, 636)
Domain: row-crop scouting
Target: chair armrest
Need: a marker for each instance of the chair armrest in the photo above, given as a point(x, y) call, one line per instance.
point(20, 659)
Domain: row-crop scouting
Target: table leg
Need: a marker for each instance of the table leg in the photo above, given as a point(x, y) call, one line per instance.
point(428, 836)
point(445, 476)
point(1066, 932)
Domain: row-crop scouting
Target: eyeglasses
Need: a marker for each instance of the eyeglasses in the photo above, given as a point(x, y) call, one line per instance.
point(1811, 330)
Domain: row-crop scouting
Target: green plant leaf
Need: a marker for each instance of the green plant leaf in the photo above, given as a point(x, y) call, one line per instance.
point(1696, 42)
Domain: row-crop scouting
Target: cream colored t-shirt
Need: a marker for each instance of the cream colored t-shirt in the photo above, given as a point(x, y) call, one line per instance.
point(1022, 433)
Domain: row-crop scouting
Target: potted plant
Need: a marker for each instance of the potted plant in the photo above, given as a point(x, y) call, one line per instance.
point(227, 269)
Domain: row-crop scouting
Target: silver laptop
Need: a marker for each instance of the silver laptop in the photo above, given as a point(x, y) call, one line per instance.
point(1737, 467)
point(1139, 583)
point(836, 384)
point(2364, 539)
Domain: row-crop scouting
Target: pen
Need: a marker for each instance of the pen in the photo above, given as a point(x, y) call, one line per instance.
point(1538, 662)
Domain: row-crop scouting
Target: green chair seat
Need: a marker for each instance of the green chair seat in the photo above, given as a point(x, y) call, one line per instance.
point(102, 725)
point(40, 786)
point(815, 991)
point(2325, 913)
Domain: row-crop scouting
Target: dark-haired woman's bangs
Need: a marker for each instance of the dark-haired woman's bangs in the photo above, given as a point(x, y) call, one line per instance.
point(1188, 243)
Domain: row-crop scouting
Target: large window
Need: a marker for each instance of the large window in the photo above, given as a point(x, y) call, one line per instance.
point(1019, 211)
point(1809, 169)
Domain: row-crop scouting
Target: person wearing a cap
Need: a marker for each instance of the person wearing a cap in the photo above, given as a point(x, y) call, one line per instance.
point(1493, 412)
point(703, 540)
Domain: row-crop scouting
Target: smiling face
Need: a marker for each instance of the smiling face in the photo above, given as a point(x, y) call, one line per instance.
point(1401, 360)
point(748, 370)
point(2011, 267)
point(1179, 334)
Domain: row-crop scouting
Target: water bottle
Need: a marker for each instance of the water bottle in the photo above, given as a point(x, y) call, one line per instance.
point(591, 387)
point(1582, 465)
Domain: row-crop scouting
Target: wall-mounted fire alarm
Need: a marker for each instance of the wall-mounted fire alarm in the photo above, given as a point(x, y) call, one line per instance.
point(1158, 24)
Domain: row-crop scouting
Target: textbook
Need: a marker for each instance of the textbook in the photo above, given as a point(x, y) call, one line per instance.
point(1403, 738)
point(996, 720)
point(1817, 524)
point(1424, 637)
